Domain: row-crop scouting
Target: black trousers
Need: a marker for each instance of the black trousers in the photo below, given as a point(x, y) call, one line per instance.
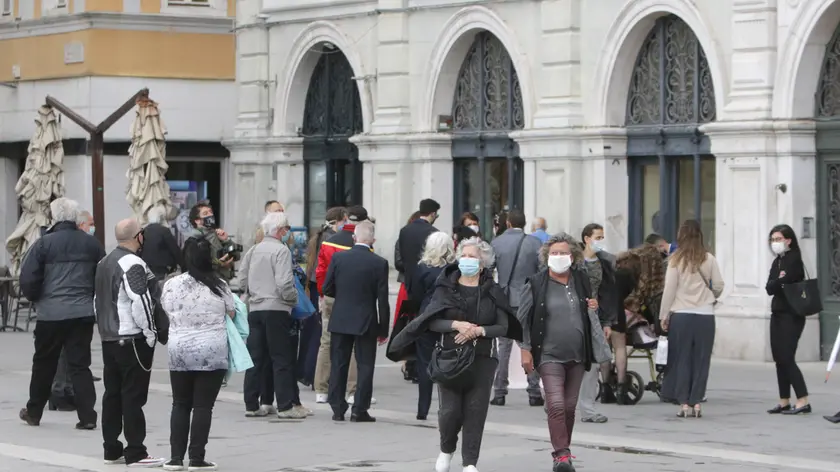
point(273, 340)
point(466, 409)
point(74, 336)
point(192, 392)
point(424, 346)
point(341, 348)
point(785, 331)
point(62, 386)
point(126, 383)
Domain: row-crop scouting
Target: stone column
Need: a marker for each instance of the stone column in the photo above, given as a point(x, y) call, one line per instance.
point(753, 63)
point(754, 160)
point(605, 152)
point(252, 72)
point(558, 83)
point(393, 79)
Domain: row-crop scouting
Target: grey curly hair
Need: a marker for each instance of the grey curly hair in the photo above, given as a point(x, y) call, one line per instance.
point(485, 251)
point(574, 246)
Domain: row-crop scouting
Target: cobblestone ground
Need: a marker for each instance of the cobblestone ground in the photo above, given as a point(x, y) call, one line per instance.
point(734, 435)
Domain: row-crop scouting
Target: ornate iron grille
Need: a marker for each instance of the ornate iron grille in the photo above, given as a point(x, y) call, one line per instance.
point(333, 108)
point(828, 91)
point(833, 185)
point(671, 82)
point(487, 95)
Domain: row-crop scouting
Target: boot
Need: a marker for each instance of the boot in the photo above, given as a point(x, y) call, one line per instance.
point(621, 394)
point(607, 394)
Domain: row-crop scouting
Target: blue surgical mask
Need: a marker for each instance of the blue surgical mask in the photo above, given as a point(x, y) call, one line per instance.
point(285, 237)
point(597, 245)
point(468, 266)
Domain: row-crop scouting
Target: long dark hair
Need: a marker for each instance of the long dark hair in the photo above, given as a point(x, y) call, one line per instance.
point(691, 252)
point(333, 215)
point(198, 257)
point(788, 233)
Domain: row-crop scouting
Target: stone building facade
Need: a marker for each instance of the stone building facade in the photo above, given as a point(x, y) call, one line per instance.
point(633, 113)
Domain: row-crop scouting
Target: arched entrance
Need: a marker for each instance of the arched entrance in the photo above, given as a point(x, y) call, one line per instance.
point(827, 116)
point(672, 172)
point(332, 114)
point(486, 108)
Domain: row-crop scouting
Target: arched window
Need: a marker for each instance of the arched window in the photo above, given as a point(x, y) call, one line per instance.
point(487, 106)
point(332, 114)
point(670, 95)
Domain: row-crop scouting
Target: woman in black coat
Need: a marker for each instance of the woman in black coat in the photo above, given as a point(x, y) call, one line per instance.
point(786, 326)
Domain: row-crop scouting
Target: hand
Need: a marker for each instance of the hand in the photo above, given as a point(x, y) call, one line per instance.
point(527, 361)
point(469, 334)
point(665, 322)
point(592, 303)
point(382, 340)
point(462, 327)
point(222, 234)
point(781, 273)
point(607, 331)
point(226, 260)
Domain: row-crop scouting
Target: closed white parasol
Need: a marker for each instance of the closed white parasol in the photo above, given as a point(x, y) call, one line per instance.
point(147, 186)
point(42, 181)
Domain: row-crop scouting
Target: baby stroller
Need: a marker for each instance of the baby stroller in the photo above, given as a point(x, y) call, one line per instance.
point(642, 340)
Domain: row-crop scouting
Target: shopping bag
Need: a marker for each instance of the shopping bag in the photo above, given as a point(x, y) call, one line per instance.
point(662, 351)
point(804, 297)
point(304, 308)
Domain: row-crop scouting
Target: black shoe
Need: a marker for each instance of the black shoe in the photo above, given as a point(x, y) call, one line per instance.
point(422, 417)
point(779, 409)
point(174, 464)
point(202, 465)
point(24, 415)
point(498, 401)
point(797, 411)
point(85, 426)
point(607, 395)
point(536, 401)
point(621, 394)
point(833, 419)
point(337, 417)
point(62, 404)
point(362, 418)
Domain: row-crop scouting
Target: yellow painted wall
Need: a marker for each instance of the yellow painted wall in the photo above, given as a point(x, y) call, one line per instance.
point(37, 9)
point(149, 6)
point(106, 5)
point(122, 53)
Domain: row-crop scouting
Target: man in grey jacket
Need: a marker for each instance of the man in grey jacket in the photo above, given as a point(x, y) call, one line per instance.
point(274, 336)
point(517, 258)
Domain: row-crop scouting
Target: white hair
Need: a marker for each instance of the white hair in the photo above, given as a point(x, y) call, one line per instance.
point(156, 214)
point(64, 209)
point(365, 232)
point(485, 251)
point(274, 221)
point(82, 217)
point(438, 251)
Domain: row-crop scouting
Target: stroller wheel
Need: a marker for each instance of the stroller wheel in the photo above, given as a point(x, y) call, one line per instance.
point(635, 388)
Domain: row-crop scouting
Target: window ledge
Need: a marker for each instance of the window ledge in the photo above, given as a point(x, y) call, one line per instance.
point(210, 8)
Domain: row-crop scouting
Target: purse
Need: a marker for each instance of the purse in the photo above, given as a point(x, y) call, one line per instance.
point(304, 308)
point(804, 297)
point(450, 367)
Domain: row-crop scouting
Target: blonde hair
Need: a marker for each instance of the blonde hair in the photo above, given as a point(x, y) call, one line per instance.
point(438, 251)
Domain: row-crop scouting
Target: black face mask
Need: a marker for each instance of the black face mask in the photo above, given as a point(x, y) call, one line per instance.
point(209, 222)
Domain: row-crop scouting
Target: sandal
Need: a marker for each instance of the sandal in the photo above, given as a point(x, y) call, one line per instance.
point(684, 412)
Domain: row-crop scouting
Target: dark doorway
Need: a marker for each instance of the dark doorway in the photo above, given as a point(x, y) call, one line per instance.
point(672, 171)
point(488, 173)
point(827, 114)
point(193, 181)
point(333, 113)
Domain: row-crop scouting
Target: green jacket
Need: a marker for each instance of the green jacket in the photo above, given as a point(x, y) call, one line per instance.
point(210, 235)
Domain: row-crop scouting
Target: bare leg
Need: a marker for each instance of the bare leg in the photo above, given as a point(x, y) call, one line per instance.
point(619, 343)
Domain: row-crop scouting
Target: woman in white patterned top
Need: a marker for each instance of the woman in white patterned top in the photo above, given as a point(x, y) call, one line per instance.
point(197, 302)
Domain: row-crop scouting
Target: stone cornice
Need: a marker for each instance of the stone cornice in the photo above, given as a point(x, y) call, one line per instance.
point(761, 138)
point(48, 25)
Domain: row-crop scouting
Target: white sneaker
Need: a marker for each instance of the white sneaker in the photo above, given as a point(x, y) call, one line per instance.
point(266, 410)
point(470, 468)
point(352, 398)
point(320, 398)
point(148, 463)
point(444, 460)
point(291, 414)
point(304, 410)
point(119, 461)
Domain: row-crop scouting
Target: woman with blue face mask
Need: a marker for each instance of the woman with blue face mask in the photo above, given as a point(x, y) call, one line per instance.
point(468, 309)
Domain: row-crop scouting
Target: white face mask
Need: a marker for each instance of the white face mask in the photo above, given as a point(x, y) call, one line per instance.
point(598, 245)
point(778, 247)
point(474, 228)
point(560, 264)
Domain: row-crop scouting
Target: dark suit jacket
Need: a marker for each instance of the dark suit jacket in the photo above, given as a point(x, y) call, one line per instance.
point(358, 280)
point(160, 249)
point(410, 245)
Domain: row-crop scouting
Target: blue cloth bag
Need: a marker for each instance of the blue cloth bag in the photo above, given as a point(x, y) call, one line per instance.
point(239, 359)
point(304, 308)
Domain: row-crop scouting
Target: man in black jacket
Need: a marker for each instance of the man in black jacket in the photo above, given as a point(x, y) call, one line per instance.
point(58, 276)
point(160, 249)
point(358, 280)
point(413, 236)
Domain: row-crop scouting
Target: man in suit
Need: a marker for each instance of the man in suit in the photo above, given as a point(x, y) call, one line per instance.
point(358, 280)
point(512, 279)
point(413, 236)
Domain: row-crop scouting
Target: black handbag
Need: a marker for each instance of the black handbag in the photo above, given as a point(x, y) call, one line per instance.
point(804, 297)
point(409, 352)
point(450, 367)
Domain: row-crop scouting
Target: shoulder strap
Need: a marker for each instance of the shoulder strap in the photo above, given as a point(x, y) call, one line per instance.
point(515, 259)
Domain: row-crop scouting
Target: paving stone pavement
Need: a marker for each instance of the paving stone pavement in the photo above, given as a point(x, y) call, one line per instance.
point(734, 435)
